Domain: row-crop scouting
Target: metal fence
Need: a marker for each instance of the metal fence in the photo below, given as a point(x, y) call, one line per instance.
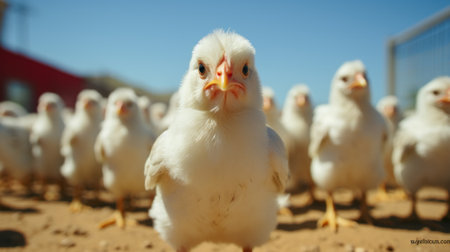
point(417, 56)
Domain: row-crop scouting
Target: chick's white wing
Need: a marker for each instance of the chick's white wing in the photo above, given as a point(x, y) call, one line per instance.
point(99, 149)
point(404, 145)
point(155, 165)
point(68, 139)
point(319, 130)
point(278, 161)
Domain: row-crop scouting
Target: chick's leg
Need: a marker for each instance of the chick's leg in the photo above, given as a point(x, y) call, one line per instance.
point(331, 219)
point(447, 215)
point(364, 209)
point(117, 218)
point(76, 205)
point(413, 215)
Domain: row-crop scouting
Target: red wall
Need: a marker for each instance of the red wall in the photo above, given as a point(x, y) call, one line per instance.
point(39, 76)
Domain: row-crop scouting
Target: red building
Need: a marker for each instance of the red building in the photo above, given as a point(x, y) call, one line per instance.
point(23, 80)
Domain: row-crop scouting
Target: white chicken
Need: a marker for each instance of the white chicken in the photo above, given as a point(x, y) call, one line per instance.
point(217, 169)
point(122, 146)
point(421, 145)
point(45, 140)
point(80, 167)
point(342, 129)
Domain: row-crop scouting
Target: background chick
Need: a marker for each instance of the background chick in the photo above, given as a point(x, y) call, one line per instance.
point(348, 137)
point(122, 146)
point(80, 167)
point(296, 119)
point(421, 145)
point(45, 140)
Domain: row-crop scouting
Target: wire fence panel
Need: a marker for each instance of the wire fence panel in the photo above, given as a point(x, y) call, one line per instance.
point(418, 56)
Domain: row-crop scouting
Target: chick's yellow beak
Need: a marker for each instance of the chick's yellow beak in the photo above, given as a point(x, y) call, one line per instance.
point(121, 108)
point(301, 100)
point(223, 73)
point(359, 81)
point(267, 103)
point(446, 98)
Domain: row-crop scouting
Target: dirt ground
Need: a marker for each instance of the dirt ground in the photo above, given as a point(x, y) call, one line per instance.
point(29, 224)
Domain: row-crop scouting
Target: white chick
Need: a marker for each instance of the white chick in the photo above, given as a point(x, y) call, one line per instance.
point(145, 104)
point(45, 140)
point(348, 137)
point(80, 167)
point(388, 107)
point(122, 146)
point(15, 150)
point(273, 114)
point(421, 145)
point(269, 107)
point(158, 111)
point(173, 107)
point(217, 169)
point(296, 119)
point(9, 109)
point(12, 109)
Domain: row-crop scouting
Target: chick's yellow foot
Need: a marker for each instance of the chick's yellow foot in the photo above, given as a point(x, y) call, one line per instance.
point(334, 222)
point(400, 194)
point(331, 219)
point(284, 211)
point(76, 206)
point(119, 219)
point(50, 196)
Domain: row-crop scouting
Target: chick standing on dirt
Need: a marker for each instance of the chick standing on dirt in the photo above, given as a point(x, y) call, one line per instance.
point(296, 120)
point(45, 140)
point(15, 150)
point(388, 107)
point(80, 167)
point(422, 143)
point(217, 169)
point(348, 138)
point(122, 147)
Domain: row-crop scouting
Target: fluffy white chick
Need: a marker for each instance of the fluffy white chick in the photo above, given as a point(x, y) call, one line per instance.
point(45, 140)
point(270, 109)
point(272, 113)
point(348, 137)
point(174, 103)
point(296, 119)
point(421, 145)
point(12, 109)
point(80, 168)
point(145, 104)
point(388, 106)
point(218, 168)
point(122, 146)
point(15, 150)
point(158, 111)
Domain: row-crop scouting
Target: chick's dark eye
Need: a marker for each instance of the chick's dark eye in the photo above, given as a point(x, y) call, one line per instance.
point(201, 69)
point(245, 70)
point(436, 92)
point(344, 79)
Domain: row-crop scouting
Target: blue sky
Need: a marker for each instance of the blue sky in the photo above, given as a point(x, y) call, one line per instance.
point(149, 43)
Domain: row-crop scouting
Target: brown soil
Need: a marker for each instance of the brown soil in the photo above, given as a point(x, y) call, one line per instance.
point(29, 224)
